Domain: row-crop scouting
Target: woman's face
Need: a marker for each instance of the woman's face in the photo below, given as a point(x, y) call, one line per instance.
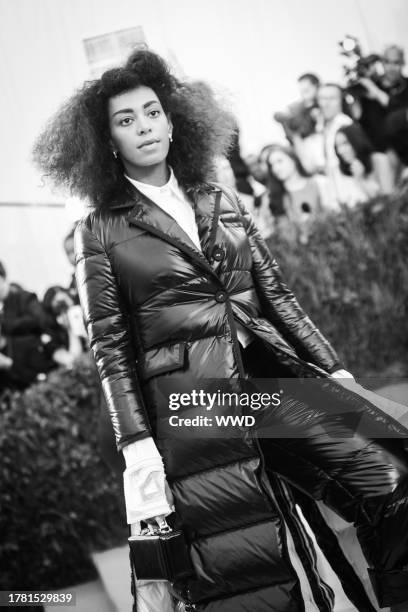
point(344, 148)
point(61, 302)
point(283, 166)
point(139, 128)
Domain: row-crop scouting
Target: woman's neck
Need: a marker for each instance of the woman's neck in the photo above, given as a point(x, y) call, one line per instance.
point(157, 175)
point(295, 182)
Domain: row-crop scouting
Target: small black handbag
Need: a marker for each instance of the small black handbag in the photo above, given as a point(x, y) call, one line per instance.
point(161, 554)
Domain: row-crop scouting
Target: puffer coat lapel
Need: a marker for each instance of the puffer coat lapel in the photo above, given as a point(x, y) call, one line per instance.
point(147, 215)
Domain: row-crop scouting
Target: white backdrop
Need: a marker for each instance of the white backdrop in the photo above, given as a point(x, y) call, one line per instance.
point(252, 50)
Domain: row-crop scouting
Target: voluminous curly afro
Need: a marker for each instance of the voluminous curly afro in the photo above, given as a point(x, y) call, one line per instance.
point(74, 152)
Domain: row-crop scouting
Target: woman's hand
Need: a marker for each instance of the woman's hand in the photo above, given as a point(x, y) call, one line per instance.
point(157, 521)
point(147, 494)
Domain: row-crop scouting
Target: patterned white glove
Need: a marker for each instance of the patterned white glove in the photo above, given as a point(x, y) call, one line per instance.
point(144, 482)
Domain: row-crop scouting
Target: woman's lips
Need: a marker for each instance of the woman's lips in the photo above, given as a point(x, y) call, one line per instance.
point(148, 143)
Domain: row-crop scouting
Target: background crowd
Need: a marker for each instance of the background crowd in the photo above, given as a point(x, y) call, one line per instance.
point(36, 336)
point(344, 145)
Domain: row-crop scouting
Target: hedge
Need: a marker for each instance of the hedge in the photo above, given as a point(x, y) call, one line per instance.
point(352, 279)
point(59, 501)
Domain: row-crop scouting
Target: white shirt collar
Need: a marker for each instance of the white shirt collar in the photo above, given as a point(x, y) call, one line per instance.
point(152, 191)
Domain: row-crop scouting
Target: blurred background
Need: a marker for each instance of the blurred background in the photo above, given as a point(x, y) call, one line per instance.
point(319, 92)
point(251, 51)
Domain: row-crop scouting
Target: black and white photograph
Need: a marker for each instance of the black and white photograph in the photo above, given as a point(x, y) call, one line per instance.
point(204, 305)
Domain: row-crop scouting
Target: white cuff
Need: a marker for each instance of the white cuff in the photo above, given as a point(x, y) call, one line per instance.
point(140, 450)
point(145, 491)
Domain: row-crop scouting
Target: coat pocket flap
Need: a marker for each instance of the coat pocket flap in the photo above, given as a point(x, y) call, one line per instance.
point(163, 359)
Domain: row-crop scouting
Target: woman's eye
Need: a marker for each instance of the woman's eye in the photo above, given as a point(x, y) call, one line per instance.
point(154, 113)
point(126, 121)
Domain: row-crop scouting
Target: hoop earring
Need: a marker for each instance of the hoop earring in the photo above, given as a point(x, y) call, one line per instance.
point(115, 154)
point(170, 137)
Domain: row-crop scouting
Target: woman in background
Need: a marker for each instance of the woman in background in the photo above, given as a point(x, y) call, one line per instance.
point(65, 327)
point(293, 200)
point(366, 174)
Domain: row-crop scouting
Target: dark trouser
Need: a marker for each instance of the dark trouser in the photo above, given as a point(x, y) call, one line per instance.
point(364, 480)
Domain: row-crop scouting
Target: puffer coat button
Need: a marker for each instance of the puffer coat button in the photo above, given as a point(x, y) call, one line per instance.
point(218, 253)
point(221, 296)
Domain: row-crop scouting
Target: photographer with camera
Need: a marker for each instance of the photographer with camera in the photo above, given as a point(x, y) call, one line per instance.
point(384, 101)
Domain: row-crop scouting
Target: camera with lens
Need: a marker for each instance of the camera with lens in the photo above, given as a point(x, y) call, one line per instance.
point(357, 66)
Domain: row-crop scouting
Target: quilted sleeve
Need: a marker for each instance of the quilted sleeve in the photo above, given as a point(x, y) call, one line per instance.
point(109, 337)
point(280, 305)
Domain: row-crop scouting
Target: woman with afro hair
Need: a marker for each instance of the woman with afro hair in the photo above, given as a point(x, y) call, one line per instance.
point(178, 288)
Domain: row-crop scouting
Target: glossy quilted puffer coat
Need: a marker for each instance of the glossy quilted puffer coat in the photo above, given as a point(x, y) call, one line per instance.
point(155, 306)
